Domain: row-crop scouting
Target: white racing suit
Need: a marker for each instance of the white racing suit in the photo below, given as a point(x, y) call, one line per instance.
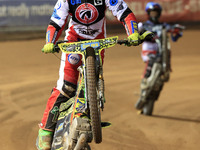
point(150, 55)
point(150, 49)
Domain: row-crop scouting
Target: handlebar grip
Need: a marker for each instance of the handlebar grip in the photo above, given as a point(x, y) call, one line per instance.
point(147, 36)
point(56, 49)
point(144, 36)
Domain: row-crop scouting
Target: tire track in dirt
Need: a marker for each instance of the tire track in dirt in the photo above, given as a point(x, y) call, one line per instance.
point(23, 134)
point(26, 85)
point(22, 98)
point(18, 112)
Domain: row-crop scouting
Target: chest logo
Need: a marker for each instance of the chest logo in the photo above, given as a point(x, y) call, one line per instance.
point(113, 2)
point(86, 13)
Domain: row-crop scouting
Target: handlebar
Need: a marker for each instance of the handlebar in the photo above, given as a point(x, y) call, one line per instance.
point(144, 36)
point(178, 26)
point(56, 47)
point(118, 42)
point(147, 35)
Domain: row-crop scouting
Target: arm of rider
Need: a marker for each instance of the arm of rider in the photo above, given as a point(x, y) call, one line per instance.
point(52, 34)
point(146, 35)
point(139, 38)
point(125, 15)
point(134, 39)
point(176, 32)
point(176, 36)
point(129, 21)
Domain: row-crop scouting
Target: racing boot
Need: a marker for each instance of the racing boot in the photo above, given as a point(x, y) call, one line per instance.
point(44, 139)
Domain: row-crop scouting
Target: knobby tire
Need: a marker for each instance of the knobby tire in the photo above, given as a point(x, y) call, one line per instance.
point(92, 95)
point(148, 108)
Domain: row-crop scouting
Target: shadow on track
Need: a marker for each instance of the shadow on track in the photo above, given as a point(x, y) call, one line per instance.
point(176, 118)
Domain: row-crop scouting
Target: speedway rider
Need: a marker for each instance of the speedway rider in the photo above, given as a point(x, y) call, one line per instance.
point(87, 21)
point(150, 49)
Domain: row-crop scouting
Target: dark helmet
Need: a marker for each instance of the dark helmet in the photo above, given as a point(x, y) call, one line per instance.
point(153, 6)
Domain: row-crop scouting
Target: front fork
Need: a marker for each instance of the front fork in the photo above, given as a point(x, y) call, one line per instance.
point(100, 82)
point(101, 90)
point(82, 91)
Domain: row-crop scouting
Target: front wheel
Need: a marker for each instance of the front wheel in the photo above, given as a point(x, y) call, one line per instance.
point(92, 95)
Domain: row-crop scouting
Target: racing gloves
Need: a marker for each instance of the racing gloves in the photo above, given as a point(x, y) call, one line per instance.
point(134, 39)
point(48, 48)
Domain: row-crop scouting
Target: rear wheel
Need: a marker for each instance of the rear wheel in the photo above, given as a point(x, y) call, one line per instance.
point(92, 95)
point(148, 108)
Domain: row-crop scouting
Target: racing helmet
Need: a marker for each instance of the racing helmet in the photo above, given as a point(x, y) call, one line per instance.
point(153, 6)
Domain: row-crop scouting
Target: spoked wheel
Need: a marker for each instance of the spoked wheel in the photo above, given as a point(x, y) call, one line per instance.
point(95, 114)
point(149, 105)
point(148, 108)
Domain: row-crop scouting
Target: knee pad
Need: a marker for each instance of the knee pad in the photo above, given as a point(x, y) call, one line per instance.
point(69, 89)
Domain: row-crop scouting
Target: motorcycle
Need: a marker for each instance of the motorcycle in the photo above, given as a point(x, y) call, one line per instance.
point(74, 133)
point(160, 73)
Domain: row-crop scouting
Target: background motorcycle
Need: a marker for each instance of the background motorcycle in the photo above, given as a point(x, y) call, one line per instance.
point(160, 72)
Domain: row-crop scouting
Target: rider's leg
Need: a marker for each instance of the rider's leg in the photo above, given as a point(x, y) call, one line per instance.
point(149, 53)
point(50, 115)
point(66, 87)
point(147, 72)
point(149, 65)
point(144, 84)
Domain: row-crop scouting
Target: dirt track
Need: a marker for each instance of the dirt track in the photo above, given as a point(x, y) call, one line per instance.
point(27, 76)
